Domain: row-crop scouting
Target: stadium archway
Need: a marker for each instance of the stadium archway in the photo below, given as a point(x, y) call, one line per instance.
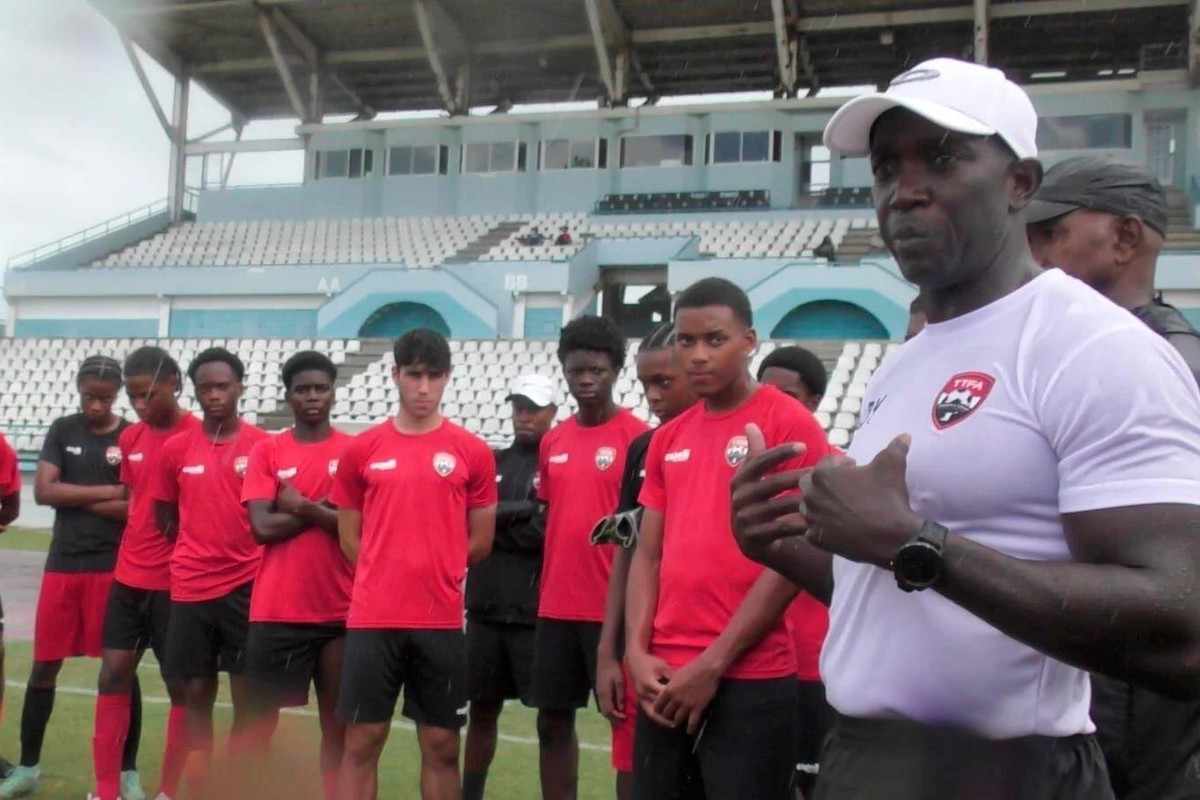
point(396, 319)
point(829, 319)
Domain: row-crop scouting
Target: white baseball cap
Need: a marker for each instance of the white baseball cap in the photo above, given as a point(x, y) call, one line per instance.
point(956, 95)
point(537, 389)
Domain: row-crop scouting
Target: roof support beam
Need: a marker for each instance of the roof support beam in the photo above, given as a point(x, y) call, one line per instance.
point(615, 55)
point(785, 48)
point(140, 71)
point(446, 49)
point(806, 63)
point(315, 59)
point(1193, 42)
point(245, 146)
point(600, 43)
point(177, 171)
point(281, 64)
point(982, 34)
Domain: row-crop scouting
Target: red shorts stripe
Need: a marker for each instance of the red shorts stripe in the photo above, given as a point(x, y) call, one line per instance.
point(70, 615)
point(622, 732)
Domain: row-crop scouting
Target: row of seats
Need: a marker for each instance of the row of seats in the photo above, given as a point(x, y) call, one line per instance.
point(654, 202)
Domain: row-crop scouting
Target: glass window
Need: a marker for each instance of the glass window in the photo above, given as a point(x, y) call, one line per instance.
point(476, 157)
point(400, 161)
point(503, 157)
point(556, 154)
point(756, 146)
point(656, 151)
point(583, 153)
point(1086, 132)
point(727, 148)
point(334, 162)
point(424, 160)
point(356, 163)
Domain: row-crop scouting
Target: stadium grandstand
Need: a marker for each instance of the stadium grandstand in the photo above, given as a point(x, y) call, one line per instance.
point(496, 224)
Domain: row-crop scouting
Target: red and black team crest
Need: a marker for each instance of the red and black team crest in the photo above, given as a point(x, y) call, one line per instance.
point(113, 456)
point(605, 456)
point(239, 465)
point(444, 464)
point(333, 462)
point(959, 398)
point(736, 450)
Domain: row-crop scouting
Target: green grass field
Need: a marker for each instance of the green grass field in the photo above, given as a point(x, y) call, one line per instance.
point(292, 773)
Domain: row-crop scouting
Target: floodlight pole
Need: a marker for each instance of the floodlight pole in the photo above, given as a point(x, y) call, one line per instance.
point(982, 34)
point(177, 173)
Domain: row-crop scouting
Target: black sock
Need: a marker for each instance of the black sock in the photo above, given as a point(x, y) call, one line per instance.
point(39, 703)
point(129, 756)
point(473, 785)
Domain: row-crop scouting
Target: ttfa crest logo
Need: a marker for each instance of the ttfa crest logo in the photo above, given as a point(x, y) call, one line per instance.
point(112, 456)
point(959, 398)
point(239, 465)
point(605, 457)
point(444, 464)
point(736, 450)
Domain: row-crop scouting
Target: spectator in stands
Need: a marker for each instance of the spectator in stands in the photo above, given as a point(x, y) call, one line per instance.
point(1104, 222)
point(826, 250)
point(416, 499)
point(799, 373)
point(10, 508)
point(796, 372)
point(668, 394)
point(139, 603)
point(533, 238)
point(1046, 521)
point(580, 464)
point(502, 590)
point(302, 590)
point(707, 646)
point(78, 474)
point(564, 237)
point(198, 507)
point(916, 317)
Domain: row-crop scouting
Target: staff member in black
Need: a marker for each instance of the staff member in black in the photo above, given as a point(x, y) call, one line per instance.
point(502, 591)
point(1105, 222)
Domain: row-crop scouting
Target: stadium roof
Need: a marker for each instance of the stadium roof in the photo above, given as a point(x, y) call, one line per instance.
point(259, 57)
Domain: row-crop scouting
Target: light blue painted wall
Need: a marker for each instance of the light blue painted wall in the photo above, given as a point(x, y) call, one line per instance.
point(86, 328)
point(542, 323)
point(279, 323)
point(828, 319)
point(467, 312)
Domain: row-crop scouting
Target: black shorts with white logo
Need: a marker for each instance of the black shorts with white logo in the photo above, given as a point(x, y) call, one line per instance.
point(282, 658)
point(744, 748)
point(136, 620)
point(429, 665)
point(869, 759)
point(564, 663)
point(814, 717)
point(209, 636)
point(499, 662)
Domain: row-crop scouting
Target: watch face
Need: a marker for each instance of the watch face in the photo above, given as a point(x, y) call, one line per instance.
point(918, 563)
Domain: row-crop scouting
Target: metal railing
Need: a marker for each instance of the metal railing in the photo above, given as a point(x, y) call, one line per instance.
point(190, 202)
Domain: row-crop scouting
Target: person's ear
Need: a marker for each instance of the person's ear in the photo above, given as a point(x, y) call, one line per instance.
point(1025, 178)
point(1129, 235)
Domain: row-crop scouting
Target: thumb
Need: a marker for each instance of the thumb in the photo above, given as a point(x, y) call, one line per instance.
point(896, 453)
point(756, 442)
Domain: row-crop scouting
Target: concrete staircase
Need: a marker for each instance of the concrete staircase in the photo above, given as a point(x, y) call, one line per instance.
point(856, 244)
point(1180, 233)
point(371, 351)
point(475, 249)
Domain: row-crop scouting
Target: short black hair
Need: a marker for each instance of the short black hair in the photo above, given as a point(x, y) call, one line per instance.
point(800, 361)
point(595, 334)
point(663, 336)
point(423, 346)
point(214, 355)
point(717, 292)
point(153, 361)
point(99, 368)
point(304, 361)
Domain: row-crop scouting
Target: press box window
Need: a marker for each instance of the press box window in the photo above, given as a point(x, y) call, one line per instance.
point(494, 157)
point(1086, 132)
point(574, 154)
point(354, 163)
point(656, 151)
point(740, 147)
point(418, 160)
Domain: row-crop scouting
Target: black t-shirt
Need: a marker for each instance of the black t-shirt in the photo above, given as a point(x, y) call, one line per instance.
point(635, 472)
point(83, 542)
point(1169, 323)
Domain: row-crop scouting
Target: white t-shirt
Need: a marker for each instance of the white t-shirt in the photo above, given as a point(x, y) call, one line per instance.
point(1049, 401)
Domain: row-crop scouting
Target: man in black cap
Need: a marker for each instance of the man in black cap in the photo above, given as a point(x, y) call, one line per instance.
point(502, 590)
point(1104, 222)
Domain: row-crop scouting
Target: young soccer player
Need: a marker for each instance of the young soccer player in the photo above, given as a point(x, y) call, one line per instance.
point(668, 394)
point(139, 601)
point(302, 591)
point(416, 499)
point(198, 506)
point(707, 647)
point(580, 467)
point(10, 507)
point(78, 473)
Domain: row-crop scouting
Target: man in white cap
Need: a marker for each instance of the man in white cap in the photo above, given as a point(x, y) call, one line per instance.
point(1019, 516)
point(502, 590)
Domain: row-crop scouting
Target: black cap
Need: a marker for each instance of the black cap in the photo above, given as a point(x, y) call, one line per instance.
point(1101, 184)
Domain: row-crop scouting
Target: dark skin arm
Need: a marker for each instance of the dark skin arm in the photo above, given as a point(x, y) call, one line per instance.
point(10, 509)
point(350, 532)
point(270, 526)
point(166, 517)
point(49, 490)
point(481, 528)
point(610, 683)
point(116, 510)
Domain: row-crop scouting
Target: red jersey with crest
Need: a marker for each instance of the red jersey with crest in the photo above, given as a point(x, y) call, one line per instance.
point(579, 477)
point(414, 492)
point(144, 559)
point(10, 469)
point(304, 579)
point(215, 552)
point(703, 577)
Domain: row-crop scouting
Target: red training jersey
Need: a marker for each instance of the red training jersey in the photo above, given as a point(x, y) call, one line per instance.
point(579, 476)
point(703, 576)
point(304, 579)
point(10, 469)
point(414, 492)
point(215, 552)
point(808, 623)
point(144, 558)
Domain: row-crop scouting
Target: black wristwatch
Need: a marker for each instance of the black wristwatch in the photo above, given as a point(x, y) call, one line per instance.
point(918, 563)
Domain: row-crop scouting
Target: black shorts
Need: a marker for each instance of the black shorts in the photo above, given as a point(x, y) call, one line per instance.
point(814, 717)
point(137, 619)
point(209, 636)
point(1, 617)
point(282, 658)
point(868, 759)
point(564, 663)
point(429, 665)
point(499, 662)
point(743, 749)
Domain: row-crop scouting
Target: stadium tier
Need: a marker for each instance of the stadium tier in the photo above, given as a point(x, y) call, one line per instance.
point(40, 383)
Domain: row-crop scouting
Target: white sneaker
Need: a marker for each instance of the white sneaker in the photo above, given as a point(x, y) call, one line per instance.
point(163, 796)
point(131, 786)
point(21, 782)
